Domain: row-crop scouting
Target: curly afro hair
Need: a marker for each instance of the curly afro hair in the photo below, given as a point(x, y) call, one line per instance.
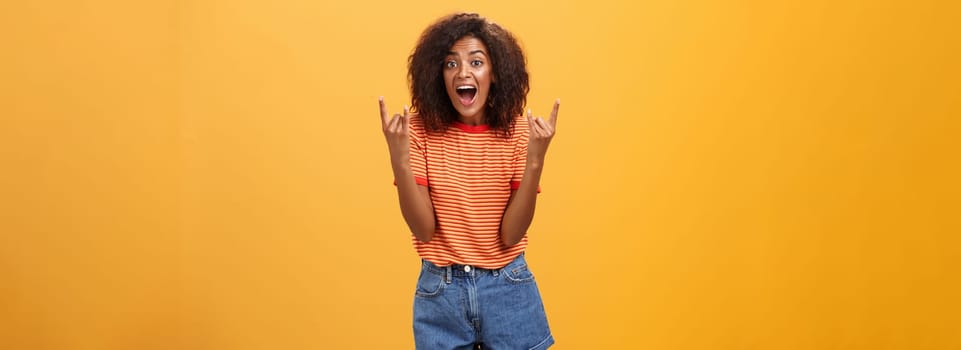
point(425, 76)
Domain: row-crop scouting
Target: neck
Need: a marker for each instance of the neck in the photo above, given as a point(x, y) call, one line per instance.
point(475, 120)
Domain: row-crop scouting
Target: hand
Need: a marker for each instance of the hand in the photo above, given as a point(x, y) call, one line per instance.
point(396, 131)
point(541, 133)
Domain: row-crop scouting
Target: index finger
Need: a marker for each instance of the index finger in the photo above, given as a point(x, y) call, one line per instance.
point(557, 106)
point(383, 112)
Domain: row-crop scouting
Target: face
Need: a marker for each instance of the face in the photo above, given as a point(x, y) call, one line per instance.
point(468, 76)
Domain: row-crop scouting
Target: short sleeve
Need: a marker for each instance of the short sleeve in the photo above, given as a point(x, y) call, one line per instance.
point(418, 150)
point(520, 139)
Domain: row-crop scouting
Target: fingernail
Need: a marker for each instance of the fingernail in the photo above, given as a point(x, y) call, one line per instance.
point(381, 99)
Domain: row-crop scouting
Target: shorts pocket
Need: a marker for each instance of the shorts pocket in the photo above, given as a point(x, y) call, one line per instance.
point(518, 274)
point(429, 284)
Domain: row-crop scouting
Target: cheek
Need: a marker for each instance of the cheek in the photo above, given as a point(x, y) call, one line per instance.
point(448, 77)
point(487, 77)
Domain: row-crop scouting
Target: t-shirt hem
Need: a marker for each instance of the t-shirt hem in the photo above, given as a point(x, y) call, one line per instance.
point(419, 180)
point(517, 184)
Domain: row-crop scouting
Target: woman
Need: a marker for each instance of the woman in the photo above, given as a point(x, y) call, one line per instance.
point(467, 164)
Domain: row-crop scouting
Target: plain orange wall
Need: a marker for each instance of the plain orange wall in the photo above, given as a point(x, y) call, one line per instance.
point(726, 175)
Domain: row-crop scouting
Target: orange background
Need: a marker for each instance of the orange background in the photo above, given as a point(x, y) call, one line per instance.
point(726, 175)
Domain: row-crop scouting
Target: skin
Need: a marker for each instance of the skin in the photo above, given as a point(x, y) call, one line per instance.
point(520, 208)
point(415, 204)
point(467, 64)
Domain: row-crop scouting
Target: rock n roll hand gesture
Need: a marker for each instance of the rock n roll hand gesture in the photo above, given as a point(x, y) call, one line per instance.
point(396, 131)
point(541, 133)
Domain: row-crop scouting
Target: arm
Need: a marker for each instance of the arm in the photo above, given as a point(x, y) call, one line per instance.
point(520, 207)
point(415, 204)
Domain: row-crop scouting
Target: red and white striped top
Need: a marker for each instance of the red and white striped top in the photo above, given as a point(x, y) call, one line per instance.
point(470, 172)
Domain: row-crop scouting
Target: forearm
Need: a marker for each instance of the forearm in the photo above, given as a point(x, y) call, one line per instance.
point(520, 210)
point(415, 203)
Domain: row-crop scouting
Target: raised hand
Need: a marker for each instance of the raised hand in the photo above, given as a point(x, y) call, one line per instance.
point(541, 133)
point(396, 131)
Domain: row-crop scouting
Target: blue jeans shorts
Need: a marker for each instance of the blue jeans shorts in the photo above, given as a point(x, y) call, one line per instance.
point(460, 306)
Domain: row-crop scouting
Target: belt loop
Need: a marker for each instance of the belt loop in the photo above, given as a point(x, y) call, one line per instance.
point(447, 274)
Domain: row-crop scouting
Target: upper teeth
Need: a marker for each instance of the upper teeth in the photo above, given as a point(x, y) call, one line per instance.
point(464, 87)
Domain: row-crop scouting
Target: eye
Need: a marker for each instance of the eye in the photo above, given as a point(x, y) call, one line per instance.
point(450, 64)
point(476, 63)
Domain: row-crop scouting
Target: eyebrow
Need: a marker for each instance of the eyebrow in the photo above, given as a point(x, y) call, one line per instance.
point(452, 53)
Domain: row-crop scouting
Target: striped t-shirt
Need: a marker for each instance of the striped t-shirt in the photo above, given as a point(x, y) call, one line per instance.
point(470, 172)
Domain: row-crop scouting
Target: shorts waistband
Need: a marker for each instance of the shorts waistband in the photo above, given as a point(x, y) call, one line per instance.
point(458, 270)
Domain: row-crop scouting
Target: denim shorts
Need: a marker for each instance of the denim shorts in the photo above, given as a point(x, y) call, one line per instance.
point(460, 306)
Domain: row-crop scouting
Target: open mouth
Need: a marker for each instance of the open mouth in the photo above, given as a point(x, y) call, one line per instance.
point(466, 94)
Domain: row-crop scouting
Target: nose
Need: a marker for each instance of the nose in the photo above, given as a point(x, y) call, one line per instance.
point(464, 71)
